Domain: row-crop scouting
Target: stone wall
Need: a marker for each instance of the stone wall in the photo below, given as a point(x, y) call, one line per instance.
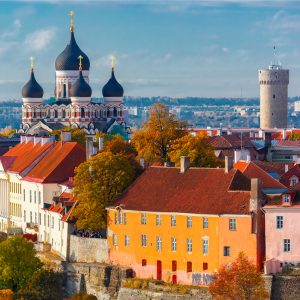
point(285, 287)
point(88, 250)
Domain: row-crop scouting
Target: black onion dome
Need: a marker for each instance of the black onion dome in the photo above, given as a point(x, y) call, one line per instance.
point(112, 88)
point(32, 89)
point(68, 59)
point(81, 88)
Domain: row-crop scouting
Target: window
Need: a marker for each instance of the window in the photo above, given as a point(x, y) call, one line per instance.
point(31, 217)
point(173, 244)
point(205, 246)
point(205, 222)
point(144, 262)
point(124, 218)
point(116, 218)
point(158, 244)
point(120, 217)
point(115, 239)
point(52, 222)
point(294, 180)
point(44, 220)
point(189, 266)
point(40, 197)
point(40, 219)
point(205, 266)
point(273, 96)
point(279, 222)
point(286, 198)
point(24, 215)
point(226, 251)
point(34, 196)
point(144, 240)
point(30, 196)
point(189, 222)
point(158, 220)
point(232, 224)
point(143, 218)
point(286, 245)
point(189, 245)
point(173, 220)
point(24, 195)
point(126, 241)
point(48, 221)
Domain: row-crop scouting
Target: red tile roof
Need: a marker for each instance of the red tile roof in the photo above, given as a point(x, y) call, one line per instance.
point(59, 164)
point(198, 190)
point(7, 161)
point(25, 155)
point(277, 167)
point(254, 171)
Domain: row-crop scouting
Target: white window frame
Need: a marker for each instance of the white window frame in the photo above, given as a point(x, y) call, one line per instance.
point(279, 222)
point(115, 239)
point(232, 224)
point(286, 245)
point(126, 240)
point(189, 245)
point(205, 246)
point(143, 219)
point(205, 222)
point(158, 244)
point(286, 198)
point(189, 221)
point(144, 240)
point(158, 220)
point(173, 244)
point(173, 220)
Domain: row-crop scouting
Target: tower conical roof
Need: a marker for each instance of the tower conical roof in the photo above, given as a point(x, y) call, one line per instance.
point(81, 88)
point(32, 89)
point(112, 88)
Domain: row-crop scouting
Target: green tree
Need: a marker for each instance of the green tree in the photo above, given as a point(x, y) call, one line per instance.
point(294, 137)
point(77, 135)
point(18, 262)
point(240, 280)
point(43, 285)
point(97, 183)
point(198, 148)
point(154, 140)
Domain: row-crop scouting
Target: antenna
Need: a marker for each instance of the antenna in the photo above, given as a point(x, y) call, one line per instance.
point(275, 63)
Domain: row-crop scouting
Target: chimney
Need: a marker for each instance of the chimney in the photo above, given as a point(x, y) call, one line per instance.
point(268, 139)
point(283, 134)
point(29, 138)
point(23, 139)
point(37, 139)
point(254, 195)
point(142, 162)
point(184, 163)
point(100, 143)
point(47, 139)
point(66, 136)
point(286, 168)
point(228, 164)
point(89, 148)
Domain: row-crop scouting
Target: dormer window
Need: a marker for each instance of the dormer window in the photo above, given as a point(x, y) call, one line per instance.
point(286, 198)
point(294, 180)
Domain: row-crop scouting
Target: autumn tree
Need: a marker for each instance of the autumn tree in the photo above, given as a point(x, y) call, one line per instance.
point(83, 296)
point(154, 140)
point(198, 148)
point(43, 285)
point(6, 294)
point(97, 183)
point(294, 137)
point(240, 280)
point(77, 135)
point(18, 262)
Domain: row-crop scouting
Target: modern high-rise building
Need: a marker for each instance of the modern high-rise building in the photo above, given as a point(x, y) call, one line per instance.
point(273, 96)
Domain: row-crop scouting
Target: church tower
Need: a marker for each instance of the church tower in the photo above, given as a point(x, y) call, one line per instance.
point(273, 95)
point(66, 66)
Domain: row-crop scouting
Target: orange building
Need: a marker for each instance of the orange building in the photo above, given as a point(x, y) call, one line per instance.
point(181, 225)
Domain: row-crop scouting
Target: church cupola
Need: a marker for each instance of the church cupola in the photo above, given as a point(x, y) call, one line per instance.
point(32, 92)
point(81, 91)
point(113, 91)
point(66, 65)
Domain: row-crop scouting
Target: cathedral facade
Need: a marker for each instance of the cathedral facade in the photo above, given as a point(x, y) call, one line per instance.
point(73, 105)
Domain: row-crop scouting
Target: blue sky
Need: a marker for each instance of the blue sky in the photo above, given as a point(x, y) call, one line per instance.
point(163, 48)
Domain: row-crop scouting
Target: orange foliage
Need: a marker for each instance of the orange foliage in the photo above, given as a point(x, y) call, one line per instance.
point(6, 294)
point(240, 280)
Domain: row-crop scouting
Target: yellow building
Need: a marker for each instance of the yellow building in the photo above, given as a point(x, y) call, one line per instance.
point(181, 226)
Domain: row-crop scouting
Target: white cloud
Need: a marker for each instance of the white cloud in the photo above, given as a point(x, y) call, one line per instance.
point(12, 31)
point(283, 21)
point(39, 39)
point(225, 50)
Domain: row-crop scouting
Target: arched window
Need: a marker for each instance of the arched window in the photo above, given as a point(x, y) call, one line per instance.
point(34, 114)
point(55, 114)
point(63, 113)
point(82, 112)
point(48, 114)
point(115, 112)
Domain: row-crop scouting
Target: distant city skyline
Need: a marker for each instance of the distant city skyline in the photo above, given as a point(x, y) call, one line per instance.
point(162, 48)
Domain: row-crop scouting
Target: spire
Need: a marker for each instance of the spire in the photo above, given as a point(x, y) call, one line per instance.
point(113, 63)
point(275, 63)
point(72, 20)
point(80, 57)
point(31, 58)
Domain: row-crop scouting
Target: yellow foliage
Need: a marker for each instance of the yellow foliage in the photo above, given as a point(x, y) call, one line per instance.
point(154, 140)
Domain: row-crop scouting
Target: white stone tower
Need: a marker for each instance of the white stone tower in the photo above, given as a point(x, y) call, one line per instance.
point(273, 95)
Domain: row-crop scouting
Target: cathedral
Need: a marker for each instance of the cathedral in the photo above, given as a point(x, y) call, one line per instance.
point(73, 105)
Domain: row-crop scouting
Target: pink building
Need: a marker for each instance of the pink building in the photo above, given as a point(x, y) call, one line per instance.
point(282, 223)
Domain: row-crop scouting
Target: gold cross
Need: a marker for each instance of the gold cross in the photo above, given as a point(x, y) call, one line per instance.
point(113, 62)
point(31, 58)
point(80, 61)
point(72, 20)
